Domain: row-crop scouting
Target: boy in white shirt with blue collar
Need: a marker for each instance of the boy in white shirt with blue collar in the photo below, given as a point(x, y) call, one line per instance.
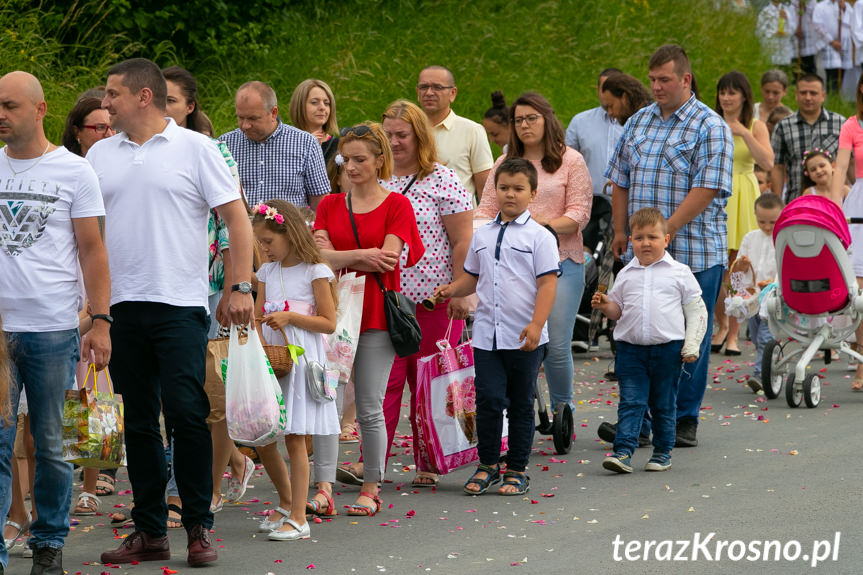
point(661, 320)
point(512, 265)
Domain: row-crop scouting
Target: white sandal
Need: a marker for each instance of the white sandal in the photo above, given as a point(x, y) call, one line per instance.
point(20, 530)
point(89, 502)
point(266, 525)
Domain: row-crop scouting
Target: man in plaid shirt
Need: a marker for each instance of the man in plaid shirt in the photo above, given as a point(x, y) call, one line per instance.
point(811, 126)
point(675, 155)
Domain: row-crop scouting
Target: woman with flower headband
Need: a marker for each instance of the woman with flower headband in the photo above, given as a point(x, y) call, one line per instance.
point(385, 225)
point(444, 213)
point(851, 141)
point(751, 146)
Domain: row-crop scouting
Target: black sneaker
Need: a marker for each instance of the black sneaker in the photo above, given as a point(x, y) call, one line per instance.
point(47, 561)
point(686, 429)
point(607, 432)
point(619, 463)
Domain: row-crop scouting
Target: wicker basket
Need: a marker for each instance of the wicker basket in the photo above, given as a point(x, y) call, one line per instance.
point(280, 359)
point(742, 301)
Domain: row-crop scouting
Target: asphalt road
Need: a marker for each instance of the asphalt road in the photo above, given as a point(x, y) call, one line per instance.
point(762, 472)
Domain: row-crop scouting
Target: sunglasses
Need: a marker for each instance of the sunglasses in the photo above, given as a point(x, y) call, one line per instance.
point(359, 131)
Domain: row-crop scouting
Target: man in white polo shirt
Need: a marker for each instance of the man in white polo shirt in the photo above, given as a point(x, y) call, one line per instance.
point(159, 182)
point(49, 205)
point(462, 144)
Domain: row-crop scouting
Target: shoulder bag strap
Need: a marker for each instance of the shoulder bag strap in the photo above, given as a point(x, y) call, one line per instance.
point(357, 236)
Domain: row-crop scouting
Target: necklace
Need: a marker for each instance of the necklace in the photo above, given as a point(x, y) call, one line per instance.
point(31, 166)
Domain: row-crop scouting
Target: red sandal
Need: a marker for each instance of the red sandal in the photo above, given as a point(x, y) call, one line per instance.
point(360, 510)
point(314, 506)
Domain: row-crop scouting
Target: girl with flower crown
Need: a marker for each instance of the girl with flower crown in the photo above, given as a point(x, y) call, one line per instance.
point(295, 294)
point(818, 170)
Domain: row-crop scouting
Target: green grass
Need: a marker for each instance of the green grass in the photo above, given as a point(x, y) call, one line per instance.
point(370, 52)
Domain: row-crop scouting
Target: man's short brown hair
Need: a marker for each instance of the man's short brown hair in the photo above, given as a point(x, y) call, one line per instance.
point(646, 217)
point(671, 53)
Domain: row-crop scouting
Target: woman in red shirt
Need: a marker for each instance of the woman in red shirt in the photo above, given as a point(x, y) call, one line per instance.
point(385, 224)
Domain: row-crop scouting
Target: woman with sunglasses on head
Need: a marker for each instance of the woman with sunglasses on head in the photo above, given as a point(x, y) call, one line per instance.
point(444, 214)
point(562, 203)
point(385, 224)
point(313, 109)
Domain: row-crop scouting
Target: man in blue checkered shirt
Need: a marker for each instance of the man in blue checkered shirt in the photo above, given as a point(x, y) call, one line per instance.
point(675, 155)
point(275, 160)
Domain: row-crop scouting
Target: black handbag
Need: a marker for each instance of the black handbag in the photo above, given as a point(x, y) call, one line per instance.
point(400, 311)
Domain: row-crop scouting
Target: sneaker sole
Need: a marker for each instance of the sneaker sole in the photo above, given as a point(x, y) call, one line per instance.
point(656, 466)
point(614, 464)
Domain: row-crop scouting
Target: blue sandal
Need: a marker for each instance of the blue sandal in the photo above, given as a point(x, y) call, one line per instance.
point(518, 480)
point(492, 477)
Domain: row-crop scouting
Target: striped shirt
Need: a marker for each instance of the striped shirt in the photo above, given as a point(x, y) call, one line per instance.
point(660, 161)
point(794, 135)
point(288, 165)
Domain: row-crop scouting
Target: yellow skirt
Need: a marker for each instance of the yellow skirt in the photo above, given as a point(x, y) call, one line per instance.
point(741, 208)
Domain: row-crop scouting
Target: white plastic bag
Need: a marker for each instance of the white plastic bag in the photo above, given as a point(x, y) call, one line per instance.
point(254, 406)
point(341, 345)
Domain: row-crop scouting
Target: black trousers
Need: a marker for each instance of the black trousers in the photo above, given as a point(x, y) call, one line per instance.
point(158, 364)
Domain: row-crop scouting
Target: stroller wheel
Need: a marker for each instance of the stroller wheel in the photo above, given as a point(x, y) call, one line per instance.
point(793, 391)
point(771, 377)
point(562, 428)
point(812, 390)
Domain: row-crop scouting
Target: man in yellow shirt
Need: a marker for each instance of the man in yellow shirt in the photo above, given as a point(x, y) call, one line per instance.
point(462, 144)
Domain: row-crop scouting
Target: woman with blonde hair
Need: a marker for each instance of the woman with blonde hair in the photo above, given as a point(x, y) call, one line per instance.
point(444, 214)
point(313, 110)
point(365, 230)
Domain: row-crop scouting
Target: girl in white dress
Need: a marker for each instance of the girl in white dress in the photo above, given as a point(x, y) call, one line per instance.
point(295, 293)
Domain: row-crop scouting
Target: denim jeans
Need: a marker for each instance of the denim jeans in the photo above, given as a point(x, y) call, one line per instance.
point(647, 377)
point(760, 334)
point(506, 379)
point(693, 378)
point(561, 321)
point(158, 364)
point(44, 365)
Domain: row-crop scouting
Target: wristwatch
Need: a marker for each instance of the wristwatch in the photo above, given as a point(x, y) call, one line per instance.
point(242, 287)
point(104, 316)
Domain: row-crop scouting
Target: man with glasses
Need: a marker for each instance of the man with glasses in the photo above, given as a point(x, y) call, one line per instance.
point(462, 144)
point(275, 160)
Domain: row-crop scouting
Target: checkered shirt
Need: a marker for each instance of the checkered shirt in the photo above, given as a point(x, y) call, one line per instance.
point(660, 161)
point(288, 165)
point(794, 135)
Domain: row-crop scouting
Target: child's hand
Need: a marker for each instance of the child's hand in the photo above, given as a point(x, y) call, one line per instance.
point(278, 320)
point(530, 337)
point(443, 292)
point(599, 300)
point(690, 358)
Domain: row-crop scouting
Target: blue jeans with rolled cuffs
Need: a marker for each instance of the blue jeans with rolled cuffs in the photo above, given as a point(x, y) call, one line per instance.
point(561, 321)
point(647, 377)
point(44, 365)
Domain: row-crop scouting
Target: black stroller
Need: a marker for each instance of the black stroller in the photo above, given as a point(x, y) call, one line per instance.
point(589, 324)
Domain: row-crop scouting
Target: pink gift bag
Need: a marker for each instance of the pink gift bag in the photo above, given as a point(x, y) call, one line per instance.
point(446, 409)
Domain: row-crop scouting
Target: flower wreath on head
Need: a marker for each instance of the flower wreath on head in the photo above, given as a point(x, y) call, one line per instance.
point(269, 213)
point(812, 152)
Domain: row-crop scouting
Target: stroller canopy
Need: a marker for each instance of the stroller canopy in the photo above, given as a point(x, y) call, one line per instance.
point(815, 211)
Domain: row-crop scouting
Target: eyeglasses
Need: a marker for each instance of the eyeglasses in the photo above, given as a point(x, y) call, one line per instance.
point(530, 119)
point(433, 87)
point(99, 128)
point(359, 131)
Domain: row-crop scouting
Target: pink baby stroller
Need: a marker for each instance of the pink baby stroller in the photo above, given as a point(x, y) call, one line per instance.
point(816, 301)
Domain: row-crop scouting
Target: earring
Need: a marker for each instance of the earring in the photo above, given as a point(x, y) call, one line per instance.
point(79, 140)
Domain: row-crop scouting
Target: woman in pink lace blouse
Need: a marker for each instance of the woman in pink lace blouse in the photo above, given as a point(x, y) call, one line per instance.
point(563, 203)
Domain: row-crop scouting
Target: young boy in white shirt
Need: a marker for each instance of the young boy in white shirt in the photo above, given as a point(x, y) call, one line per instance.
point(757, 251)
point(661, 319)
point(512, 265)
